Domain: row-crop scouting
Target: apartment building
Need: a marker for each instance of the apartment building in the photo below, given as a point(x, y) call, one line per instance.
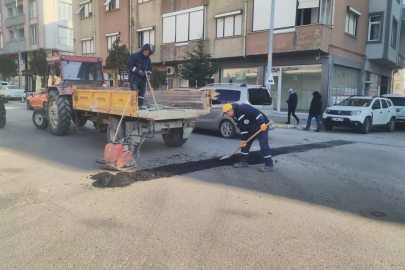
point(27, 25)
point(97, 25)
point(328, 46)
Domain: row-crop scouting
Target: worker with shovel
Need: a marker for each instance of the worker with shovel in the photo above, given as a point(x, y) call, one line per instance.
point(251, 122)
point(140, 66)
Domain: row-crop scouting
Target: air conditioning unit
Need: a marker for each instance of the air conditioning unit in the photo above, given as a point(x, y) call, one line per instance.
point(171, 71)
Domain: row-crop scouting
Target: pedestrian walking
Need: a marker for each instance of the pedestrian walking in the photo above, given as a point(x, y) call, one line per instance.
point(140, 66)
point(250, 120)
point(315, 111)
point(292, 105)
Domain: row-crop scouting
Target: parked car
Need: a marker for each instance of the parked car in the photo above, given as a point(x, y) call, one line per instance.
point(16, 91)
point(3, 83)
point(4, 92)
point(2, 113)
point(361, 113)
point(256, 95)
point(399, 103)
point(38, 99)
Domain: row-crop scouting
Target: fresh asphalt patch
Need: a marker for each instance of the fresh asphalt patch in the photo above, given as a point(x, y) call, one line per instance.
point(123, 179)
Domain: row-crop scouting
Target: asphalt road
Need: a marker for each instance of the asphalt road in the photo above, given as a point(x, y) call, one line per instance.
point(335, 207)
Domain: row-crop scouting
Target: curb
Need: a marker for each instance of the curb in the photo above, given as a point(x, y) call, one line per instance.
point(292, 126)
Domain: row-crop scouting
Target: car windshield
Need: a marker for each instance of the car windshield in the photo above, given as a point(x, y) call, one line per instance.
point(82, 71)
point(398, 101)
point(259, 96)
point(13, 87)
point(356, 102)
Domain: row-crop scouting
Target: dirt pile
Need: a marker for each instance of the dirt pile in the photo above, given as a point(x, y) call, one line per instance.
point(123, 179)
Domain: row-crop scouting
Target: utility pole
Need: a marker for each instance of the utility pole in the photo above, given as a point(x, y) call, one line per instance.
point(270, 80)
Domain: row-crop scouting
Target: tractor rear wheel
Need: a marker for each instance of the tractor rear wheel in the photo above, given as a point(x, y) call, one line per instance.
point(59, 113)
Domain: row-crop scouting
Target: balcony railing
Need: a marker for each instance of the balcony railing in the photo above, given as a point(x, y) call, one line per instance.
point(16, 40)
point(8, 2)
point(65, 16)
point(66, 41)
point(15, 20)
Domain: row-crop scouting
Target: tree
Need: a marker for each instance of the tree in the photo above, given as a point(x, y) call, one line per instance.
point(38, 65)
point(8, 66)
point(158, 79)
point(118, 57)
point(199, 67)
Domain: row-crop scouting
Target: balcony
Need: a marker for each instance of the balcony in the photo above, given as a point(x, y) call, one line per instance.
point(15, 20)
point(8, 2)
point(178, 52)
point(305, 38)
point(15, 45)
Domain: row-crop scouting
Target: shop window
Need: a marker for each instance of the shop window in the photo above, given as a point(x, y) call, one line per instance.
point(345, 83)
point(239, 75)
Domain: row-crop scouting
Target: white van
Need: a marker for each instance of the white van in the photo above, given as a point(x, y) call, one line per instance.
point(399, 103)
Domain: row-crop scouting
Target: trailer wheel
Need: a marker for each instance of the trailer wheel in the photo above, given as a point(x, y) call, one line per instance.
point(112, 129)
point(174, 138)
point(59, 113)
point(39, 118)
point(82, 122)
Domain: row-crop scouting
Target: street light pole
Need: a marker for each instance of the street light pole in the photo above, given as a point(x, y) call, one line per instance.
point(270, 80)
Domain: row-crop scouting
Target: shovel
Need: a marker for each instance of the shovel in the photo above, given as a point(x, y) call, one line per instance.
point(251, 138)
point(151, 90)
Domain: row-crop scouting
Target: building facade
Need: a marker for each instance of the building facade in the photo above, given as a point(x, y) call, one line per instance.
point(28, 25)
point(97, 25)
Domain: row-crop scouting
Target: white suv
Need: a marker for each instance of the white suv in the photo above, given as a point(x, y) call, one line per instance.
point(361, 112)
point(399, 103)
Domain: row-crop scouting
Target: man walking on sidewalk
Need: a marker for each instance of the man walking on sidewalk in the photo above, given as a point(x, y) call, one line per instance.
point(315, 111)
point(292, 105)
point(250, 120)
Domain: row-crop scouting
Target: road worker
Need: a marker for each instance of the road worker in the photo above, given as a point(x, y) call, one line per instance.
point(250, 120)
point(140, 66)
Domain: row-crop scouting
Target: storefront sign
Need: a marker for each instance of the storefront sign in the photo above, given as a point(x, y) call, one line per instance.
point(123, 72)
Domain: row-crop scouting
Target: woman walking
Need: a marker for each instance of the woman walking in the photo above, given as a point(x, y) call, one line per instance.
point(315, 111)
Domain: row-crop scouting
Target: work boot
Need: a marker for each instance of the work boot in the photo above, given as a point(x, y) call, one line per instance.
point(240, 165)
point(287, 123)
point(266, 168)
point(306, 129)
point(298, 121)
point(318, 130)
point(143, 107)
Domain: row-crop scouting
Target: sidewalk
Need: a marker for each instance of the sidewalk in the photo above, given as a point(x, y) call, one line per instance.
point(280, 119)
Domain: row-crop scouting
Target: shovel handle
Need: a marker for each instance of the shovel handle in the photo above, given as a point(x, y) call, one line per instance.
point(251, 138)
point(151, 90)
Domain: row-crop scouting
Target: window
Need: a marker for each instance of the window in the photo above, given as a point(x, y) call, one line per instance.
point(10, 12)
point(88, 46)
point(229, 25)
point(112, 4)
point(65, 11)
point(111, 38)
point(1, 41)
point(146, 37)
point(34, 34)
point(0, 19)
point(225, 96)
point(259, 96)
point(285, 15)
point(384, 104)
point(65, 36)
point(374, 26)
point(326, 12)
point(376, 105)
point(82, 71)
point(240, 75)
point(142, 1)
point(394, 33)
point(389, 103)
point(20, 9)
point(184, 25)
point(86, 10)
point(351, 24)
point(32, 5)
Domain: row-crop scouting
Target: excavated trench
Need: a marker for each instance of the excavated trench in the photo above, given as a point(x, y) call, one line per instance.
point(123, 179)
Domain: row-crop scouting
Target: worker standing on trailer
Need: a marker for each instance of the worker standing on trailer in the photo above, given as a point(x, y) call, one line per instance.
point(140, 66)
point(250, 120)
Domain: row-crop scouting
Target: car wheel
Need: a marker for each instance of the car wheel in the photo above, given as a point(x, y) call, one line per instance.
point(227, 129)
point(29, 107)
point(39, 118)
point(365, 128)
point(391, 125)
point(328, 127)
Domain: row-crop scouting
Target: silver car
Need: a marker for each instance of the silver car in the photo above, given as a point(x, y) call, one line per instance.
point(256, 95)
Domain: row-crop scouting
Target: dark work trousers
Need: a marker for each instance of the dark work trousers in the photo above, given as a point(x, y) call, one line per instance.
point(263, 138)
point(291, 111)
point(141, 89)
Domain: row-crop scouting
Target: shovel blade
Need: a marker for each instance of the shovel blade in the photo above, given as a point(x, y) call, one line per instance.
point(225, 157)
